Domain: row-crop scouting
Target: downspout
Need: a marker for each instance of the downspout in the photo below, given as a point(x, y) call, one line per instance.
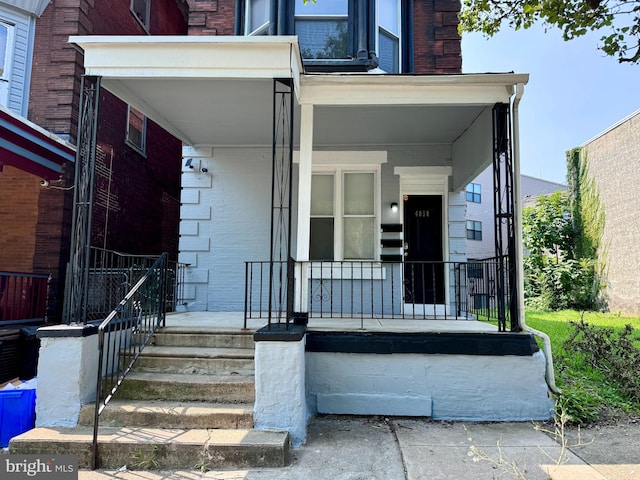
point(546, 342)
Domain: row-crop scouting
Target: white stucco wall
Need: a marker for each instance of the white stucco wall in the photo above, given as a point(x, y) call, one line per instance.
point(67, 374)
point(454, 387)
point(280, 388)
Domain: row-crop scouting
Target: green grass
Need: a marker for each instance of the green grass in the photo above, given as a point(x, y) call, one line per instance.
point(588, 394)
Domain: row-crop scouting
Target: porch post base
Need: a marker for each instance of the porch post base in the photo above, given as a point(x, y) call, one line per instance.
point(67, 373)
point(280, 402)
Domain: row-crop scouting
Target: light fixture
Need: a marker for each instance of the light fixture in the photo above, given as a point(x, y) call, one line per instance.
point(394, 207)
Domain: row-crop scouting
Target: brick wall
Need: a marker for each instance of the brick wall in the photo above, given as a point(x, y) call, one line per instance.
point(614, 164)
point(18, 215)
point(211, 17)
point(437, 47)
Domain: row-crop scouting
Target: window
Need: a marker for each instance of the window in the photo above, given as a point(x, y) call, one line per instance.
point(322, 28)
point(474, 230)
point(142, 10)
point(343, 215)
point(474, 191)
point(257, 17)
point(6, 55)
point(136, 130)
point(389, 35)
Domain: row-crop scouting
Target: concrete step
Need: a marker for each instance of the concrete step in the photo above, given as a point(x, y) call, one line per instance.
point(204, 337)
point(196, 360)
point(156, 413)
point(154, 449)
point(175, 386)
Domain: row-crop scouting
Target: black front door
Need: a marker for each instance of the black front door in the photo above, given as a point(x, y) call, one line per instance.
point(423, 268)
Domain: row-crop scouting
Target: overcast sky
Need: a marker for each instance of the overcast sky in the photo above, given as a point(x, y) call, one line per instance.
point(574, 91)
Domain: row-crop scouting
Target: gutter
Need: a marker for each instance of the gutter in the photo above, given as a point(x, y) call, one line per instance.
point(546, 342)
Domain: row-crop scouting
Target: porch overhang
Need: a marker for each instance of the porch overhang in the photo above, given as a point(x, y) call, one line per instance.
point(217, 91)
point(30, 148)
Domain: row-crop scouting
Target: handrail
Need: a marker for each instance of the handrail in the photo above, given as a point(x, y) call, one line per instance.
point(124, 333)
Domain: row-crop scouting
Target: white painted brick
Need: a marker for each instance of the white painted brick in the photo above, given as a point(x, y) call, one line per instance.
point(195, 212)
point(189, 258)
point(188, 151)
point(189, 291)
point(195, 244)
point(195, 179)
point(196, 275)
point(189, 195)
point(189, 227)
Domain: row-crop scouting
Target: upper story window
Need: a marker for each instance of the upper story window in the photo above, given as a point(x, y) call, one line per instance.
point(142, 10)
point(257, 17)
point(343, 215)
point(474, 230)
point(389, 41)
point(322, 29)
point(6, 57)
point(474, 193)
point(337, 35)
point(137, 130)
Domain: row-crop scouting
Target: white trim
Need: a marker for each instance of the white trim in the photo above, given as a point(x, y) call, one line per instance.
point(363, 270)
point(337, 157)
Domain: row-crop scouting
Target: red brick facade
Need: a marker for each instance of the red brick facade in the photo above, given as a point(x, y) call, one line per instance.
point(435, 23)
point(136, 197)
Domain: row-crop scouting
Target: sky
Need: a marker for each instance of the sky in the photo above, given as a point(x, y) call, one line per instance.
point(574, 92)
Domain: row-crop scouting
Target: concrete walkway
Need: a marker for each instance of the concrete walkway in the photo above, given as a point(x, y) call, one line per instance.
point(366, 448)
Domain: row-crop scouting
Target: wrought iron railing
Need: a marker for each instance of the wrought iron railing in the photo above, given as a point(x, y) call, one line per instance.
point(23, 298)
point(369, 289)
point(112, 274)
point(124, 333)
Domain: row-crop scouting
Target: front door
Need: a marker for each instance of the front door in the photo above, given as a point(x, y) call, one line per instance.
point(423, 267)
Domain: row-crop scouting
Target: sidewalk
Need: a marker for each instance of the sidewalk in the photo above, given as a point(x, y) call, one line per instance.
point(366, 448)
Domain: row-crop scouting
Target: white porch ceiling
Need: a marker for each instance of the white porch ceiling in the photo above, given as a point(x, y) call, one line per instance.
point(218, 91)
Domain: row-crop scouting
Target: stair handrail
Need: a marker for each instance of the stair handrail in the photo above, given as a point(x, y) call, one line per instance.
point(124, 333)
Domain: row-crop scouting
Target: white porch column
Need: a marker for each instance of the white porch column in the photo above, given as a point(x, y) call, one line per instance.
point(67, 373)
point(304, 206)
point(280, 378)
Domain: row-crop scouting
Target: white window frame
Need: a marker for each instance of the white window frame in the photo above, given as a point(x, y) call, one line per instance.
point(262, 29)
point(142, 148)
point(5, 77)
point(339, 172)
point(145, 22)
point(398, 36)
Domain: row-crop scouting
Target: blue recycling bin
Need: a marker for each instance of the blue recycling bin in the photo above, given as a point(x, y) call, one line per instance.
point(17, 413)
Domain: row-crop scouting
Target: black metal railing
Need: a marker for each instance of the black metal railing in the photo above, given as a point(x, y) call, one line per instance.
point(367, 289)
point(126, 330)
point(23, 298)
point(112, 274)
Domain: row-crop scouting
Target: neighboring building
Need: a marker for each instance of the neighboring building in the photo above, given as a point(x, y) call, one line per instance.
point(480, 217)
point(613, 164)
point(137, 192)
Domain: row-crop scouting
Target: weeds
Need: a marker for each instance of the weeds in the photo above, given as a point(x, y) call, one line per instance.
point(146, 460)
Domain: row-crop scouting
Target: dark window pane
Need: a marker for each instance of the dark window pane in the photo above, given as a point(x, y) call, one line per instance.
point(321, 239)
point(389, 52)
point(322, 38)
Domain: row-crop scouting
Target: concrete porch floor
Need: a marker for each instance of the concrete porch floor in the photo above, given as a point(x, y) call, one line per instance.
point(235, 320)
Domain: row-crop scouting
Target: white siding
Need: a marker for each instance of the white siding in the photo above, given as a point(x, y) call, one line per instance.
point(20, 77)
